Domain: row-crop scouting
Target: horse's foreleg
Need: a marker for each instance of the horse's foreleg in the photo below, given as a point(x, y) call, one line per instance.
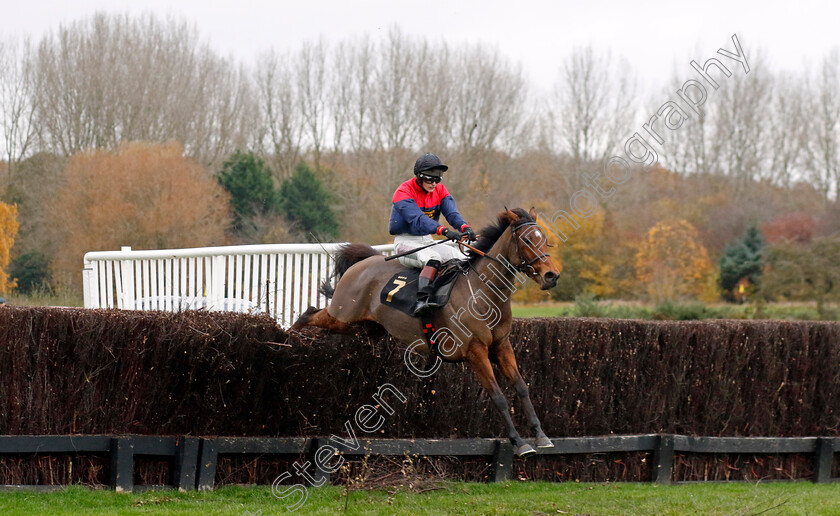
point(507, 362)
point(319, 317)
point(477, 357)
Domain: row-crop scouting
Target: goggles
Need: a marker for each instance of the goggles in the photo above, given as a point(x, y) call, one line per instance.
point(431, 179)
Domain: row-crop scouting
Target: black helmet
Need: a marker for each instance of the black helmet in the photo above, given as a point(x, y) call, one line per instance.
point(429, 164)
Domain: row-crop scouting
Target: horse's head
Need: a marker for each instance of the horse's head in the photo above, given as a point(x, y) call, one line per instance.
point(528, 251)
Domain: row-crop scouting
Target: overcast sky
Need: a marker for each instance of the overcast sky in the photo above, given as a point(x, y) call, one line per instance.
point(657, 37)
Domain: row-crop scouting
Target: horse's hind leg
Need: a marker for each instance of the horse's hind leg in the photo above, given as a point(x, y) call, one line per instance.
point(507, 362)
point(477, 357)
point(319, 317)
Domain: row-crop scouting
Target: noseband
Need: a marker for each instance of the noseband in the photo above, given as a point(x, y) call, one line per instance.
point(525, 267)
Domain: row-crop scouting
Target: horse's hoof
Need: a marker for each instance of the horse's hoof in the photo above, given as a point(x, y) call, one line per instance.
point(526, 450)
point(304, 318)
point(544, 442)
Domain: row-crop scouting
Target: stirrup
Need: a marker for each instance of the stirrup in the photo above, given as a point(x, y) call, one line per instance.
point(424, 306)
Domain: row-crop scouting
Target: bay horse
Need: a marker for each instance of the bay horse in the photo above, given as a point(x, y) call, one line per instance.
point(474, 326)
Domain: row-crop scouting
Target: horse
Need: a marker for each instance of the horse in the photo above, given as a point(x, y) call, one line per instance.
point(474, 326)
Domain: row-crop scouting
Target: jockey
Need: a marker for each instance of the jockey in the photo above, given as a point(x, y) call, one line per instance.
point(418, 204)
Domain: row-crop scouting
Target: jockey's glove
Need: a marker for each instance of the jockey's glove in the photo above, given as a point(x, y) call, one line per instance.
point(451, 234)
point(466, 230)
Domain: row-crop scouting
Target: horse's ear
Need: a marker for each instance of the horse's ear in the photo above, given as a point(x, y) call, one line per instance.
point(508, 215)
point(533, 213)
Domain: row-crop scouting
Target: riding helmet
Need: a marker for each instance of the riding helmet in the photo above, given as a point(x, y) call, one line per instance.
point(429, 164)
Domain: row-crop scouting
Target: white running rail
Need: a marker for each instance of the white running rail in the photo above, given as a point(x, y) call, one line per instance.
point(279, 279)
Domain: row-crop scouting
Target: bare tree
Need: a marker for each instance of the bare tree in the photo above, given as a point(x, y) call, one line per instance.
point(742, 123)
point(224, 113)
point(593, 104)
point(280, 112)
point(489, 101)
point(435, 92)
point(400, 60)
point(361, 78)
point(340, 102)
point(110, 78)
point(312, 87)
point(692, 148)
point(17, 105)
point(824, 138)
point(787, 129)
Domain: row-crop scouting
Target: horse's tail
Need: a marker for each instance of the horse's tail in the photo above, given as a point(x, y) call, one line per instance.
point(346, 257)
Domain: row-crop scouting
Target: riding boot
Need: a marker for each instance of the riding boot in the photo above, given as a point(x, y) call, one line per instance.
point(425, 289)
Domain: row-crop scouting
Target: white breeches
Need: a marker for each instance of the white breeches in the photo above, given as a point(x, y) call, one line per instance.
point(440, 252)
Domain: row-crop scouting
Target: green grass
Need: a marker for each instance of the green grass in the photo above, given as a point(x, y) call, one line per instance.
point(62, 296)
point(588, 307)
point(583, 306)
point(526, 498)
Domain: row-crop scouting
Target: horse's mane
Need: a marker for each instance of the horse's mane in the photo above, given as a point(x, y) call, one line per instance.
point(491, 234)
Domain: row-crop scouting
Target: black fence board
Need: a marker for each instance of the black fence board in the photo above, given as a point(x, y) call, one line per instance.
point(278, 445)
point(606, 444)
point(195, 459)
point(122, 464)
point(186, 466)
point(823, 459)
point(55, 443)
point(759, 445)
point(151, 445)
point(418, 447)
point(208, 456)
point(663, 460)
point(502, 462)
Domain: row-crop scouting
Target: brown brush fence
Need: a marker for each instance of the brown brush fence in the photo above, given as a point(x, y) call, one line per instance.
point(72, 371)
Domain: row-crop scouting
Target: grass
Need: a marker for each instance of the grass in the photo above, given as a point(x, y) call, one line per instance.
point(583, 306)
point(526, 498)
point(43, 296)
point(588, 307)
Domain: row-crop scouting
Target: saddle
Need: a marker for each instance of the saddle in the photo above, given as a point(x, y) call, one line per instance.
point(401, 291)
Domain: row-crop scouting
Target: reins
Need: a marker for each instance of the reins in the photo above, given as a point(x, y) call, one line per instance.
point(478, 252)
point(526, 267)
point(412, 251)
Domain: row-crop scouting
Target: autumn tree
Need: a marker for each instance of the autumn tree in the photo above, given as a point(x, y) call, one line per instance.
point(8, 231)
point(808, 272)
point(147, 196)
point(797, 227)
point(580, 272)
point(672, 263)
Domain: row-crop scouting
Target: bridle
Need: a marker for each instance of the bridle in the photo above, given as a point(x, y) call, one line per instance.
point(525, 267)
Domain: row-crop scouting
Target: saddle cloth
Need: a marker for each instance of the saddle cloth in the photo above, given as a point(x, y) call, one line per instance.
point(400, 291)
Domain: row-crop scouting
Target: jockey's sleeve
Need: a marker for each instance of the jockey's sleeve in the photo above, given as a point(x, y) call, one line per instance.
point(450, 210)
point(418, 222)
